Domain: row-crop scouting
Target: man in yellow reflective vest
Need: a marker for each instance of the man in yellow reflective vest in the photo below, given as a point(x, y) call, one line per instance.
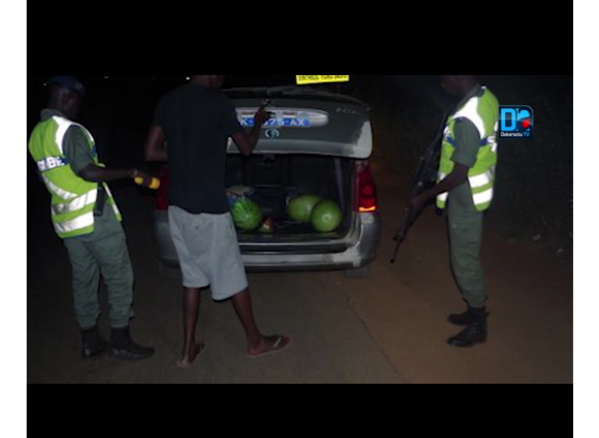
point(465, 188)
point(85, 216)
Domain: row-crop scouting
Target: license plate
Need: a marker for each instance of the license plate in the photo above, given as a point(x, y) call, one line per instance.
point(286, 118)
point(279, 122)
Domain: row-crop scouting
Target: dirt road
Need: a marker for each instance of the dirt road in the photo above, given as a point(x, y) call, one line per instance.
point(390, 328)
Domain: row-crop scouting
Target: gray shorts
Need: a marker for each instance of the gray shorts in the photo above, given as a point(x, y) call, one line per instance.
point(208, 252)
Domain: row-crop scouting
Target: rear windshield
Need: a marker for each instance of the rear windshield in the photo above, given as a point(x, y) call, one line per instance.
point(305, 93)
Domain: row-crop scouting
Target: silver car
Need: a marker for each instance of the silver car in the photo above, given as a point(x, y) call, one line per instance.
point(316, 143)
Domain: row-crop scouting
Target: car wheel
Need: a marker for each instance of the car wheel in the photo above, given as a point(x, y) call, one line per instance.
point(359, 273)
point(168, 272)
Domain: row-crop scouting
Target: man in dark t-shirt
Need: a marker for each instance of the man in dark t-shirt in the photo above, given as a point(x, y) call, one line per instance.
point(195, 122)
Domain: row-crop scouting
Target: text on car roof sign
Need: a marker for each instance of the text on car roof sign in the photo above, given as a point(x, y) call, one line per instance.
point(320, 79)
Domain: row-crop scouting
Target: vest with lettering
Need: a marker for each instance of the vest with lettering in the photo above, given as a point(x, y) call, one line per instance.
point(483, 111)
point(73, 198)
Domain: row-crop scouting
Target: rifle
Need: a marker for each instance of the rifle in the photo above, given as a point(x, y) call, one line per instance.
point(424, 178)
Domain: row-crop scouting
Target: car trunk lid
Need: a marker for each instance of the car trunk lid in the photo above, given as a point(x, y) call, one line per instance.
point(313, 127)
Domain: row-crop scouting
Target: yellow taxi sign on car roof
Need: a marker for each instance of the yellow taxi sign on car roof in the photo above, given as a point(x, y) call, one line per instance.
point(321, 79)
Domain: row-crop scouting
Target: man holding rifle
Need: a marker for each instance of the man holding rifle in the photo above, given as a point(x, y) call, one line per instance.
point(465, 188)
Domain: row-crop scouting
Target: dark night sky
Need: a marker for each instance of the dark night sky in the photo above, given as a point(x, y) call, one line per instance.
point(148, 86)
point(130, 99)
point(161, 83)
point(170, 80)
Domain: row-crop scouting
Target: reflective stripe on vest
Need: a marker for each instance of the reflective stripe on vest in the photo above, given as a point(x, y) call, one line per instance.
point(470, 112)
point(76, 204)
point(112, 201)
point(116, 211)
point(476, 182)
point(70, 227)
point(76, 224)
point(63, 127)
point(86, 220)
point(57, 191)
point(484, 197)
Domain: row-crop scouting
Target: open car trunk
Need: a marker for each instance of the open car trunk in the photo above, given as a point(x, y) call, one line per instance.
point(310, 146)
point(272, 180)
point(315, 144)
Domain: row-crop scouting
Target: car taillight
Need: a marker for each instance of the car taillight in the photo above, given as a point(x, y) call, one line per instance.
point(162, 195)
point(367, 193)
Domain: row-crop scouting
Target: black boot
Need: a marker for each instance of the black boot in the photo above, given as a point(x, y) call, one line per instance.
point(123, 347)
point(93, 346)
point(466, 318)
point(475, 333)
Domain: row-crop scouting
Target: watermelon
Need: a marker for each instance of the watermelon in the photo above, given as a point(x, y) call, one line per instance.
point(247, 214)
point(300, 208)
point(326, 216)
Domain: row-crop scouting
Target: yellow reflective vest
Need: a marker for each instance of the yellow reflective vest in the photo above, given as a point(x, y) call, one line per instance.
point(483, 111)
point(73, 198)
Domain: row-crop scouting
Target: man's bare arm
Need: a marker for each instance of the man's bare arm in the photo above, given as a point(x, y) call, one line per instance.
point(82, 160)
point(453, 180)
point(97, 174)
point(247, 142)
point(155, 149)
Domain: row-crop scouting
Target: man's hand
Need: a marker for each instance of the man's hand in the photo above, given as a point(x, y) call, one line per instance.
point(262, 116)
point(144, 180)
point(247, 142)
point(417, 204)
point(458, 176)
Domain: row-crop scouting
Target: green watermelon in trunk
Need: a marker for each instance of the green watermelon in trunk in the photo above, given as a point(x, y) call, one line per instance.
point(247, 215)
point(326, 216)
point(300, 208)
